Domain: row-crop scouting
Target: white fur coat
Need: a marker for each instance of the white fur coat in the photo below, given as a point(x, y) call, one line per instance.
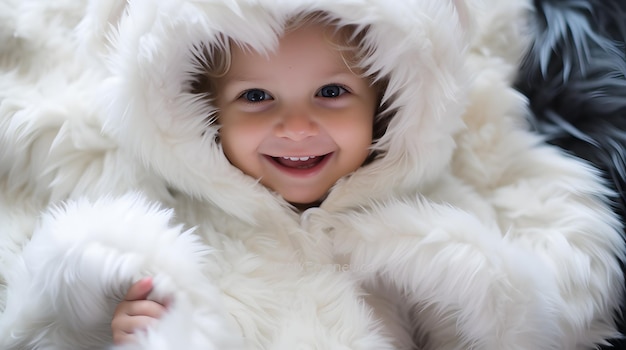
point(468, 231)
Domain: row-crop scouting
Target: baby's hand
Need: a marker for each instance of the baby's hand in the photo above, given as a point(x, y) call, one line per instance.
point(135, 312)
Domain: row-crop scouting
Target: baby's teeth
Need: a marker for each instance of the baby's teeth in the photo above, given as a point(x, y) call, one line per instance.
point(302, 159)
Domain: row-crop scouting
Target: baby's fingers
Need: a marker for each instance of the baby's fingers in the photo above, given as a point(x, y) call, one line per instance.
point(140, 290)
point(125, 328)
point(141, 308)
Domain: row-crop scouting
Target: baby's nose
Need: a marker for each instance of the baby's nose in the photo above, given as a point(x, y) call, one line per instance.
point(297, 125)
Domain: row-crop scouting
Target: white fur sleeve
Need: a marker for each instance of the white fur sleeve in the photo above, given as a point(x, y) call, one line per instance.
point(81, 261)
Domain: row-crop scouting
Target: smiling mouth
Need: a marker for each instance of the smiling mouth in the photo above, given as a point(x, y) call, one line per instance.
point(300, 163)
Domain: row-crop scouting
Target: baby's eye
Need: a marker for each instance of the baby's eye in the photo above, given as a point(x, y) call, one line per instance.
point(331, 91)
point(256, 95)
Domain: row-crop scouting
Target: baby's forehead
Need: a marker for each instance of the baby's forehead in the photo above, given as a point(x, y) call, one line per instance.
point(313, 39)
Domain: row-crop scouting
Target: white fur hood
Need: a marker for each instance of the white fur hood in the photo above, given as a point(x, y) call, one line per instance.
point(151, 111)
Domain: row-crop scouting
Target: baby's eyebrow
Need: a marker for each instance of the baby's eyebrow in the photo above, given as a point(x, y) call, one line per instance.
point(237, 79)
point(343, 74)
point(241, 79)
point(245, 75)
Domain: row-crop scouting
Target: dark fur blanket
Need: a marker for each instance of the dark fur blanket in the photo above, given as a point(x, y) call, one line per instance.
point(574, 76)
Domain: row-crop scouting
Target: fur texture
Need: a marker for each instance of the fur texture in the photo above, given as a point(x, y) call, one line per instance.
point(575, 78)
point(466, 232)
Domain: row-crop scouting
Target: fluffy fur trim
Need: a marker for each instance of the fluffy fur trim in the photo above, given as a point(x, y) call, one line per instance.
point(79, 264)
point(152, 112)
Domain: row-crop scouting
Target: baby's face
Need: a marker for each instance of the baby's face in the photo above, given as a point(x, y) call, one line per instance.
point(299, 119)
